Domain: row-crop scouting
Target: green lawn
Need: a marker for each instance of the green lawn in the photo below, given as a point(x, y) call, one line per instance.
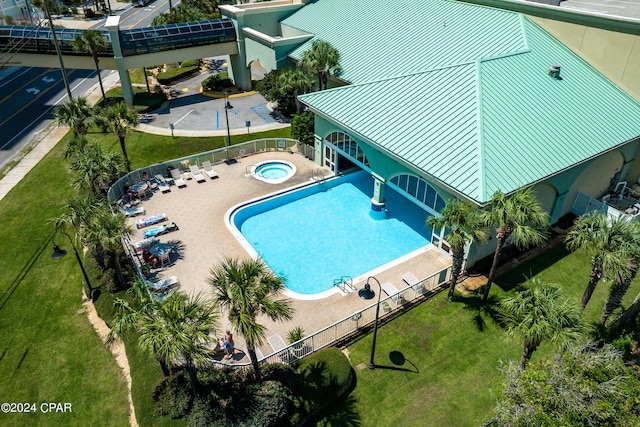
point(48, 352)
point(440, 361)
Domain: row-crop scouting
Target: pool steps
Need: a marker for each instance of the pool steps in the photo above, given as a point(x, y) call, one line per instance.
point(345, 284)
point(318, 176)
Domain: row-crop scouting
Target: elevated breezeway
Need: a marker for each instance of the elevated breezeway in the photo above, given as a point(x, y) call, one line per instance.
point(126, 49)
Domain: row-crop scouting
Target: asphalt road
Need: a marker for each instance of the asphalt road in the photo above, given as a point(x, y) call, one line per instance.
point(28, 97)
point(622, 8)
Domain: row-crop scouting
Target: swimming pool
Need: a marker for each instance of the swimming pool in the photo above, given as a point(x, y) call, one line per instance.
point(321, 232)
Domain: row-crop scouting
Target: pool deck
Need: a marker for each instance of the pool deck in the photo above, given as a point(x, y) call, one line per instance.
point(204, 240)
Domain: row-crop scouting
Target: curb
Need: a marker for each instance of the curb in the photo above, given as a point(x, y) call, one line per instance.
point(220, 95)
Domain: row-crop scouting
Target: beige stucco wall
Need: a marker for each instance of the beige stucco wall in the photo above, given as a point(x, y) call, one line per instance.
point(595, 179)
point(614, 54)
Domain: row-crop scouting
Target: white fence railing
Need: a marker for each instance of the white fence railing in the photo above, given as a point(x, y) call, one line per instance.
point(349, 326)
point(214, 156)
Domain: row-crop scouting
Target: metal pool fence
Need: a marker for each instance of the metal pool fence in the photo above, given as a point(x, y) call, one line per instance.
point(348, 327)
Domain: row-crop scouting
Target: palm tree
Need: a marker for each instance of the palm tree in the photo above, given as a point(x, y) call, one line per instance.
point(104, 233)
point(121, 119)
point(609, 242)
point(246, 289)
point(180, 328)
point(519, 219)
point(77, 114)
point(626, 316)
point(94, 169)
point(465, 225)
point(538, 314)
point(78, 211)
point(92, 42)
point(622, 283)
point(174, 329)
point(297, 80)
point(323, 59)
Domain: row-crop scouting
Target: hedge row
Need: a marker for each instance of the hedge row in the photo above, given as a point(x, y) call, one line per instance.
point(176, 74)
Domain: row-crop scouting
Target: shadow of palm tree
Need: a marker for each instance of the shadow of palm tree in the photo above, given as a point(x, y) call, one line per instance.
point(340, 413)
point(481, 309)
point(177, 247)
point(518, 275)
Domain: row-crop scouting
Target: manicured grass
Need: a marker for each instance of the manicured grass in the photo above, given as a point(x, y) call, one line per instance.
point(48, 350)
point(440, 361)
point(145, 149)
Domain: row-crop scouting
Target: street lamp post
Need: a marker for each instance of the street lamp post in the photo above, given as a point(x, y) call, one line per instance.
point(55, 42)
point(227, 107)
point(368, 293)
point(59, 253)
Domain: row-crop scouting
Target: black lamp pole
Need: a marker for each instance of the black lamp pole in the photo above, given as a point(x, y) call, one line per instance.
point(55, 42)
point(367, 293)
point(227, 107)
point(59, 253)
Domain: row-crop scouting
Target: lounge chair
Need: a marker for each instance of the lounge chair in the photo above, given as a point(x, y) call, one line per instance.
point(150, 220)
point(163, 285)
point(159, 229)
point(410, 279)
point(208, 169)
point(162, 183)
point(390, 290)
point(177, 178)
point(195, 173)
point(144, 244)
point(276, 342)
point(132, 211)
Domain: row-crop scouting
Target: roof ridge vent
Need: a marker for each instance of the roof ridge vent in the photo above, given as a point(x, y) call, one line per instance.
point(554, 71)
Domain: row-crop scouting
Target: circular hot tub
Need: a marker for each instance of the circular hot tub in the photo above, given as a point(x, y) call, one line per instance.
point(274, 171)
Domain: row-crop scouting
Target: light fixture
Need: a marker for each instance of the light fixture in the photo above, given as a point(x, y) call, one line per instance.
point(367, 293)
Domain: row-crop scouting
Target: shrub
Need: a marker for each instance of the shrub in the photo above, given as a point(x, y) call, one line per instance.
point(322, 375)
point(217, 82)
point(623, 344)
point(302, 127)
point(176, 74)
point(206, 412)
point(281, 373)
point(173, 396)
point(271, 404)
point(145, 101)
point(190, 63)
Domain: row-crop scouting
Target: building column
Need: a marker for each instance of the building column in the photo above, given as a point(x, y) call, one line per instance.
point(378, 203)
point(113, 26)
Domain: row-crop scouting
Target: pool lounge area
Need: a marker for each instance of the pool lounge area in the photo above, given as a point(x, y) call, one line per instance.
point(203, 239)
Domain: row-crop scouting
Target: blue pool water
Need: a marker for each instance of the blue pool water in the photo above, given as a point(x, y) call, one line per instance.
point(273, 170)
point(322, 232)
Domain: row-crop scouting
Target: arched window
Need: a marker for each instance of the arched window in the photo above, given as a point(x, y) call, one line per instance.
point(420, 189)
point(347, 146)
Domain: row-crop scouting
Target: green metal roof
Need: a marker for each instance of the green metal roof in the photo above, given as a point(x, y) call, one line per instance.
point(491, 123)
point(381, 38)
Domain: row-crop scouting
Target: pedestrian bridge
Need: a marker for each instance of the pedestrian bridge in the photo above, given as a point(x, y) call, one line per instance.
point(139, 47)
